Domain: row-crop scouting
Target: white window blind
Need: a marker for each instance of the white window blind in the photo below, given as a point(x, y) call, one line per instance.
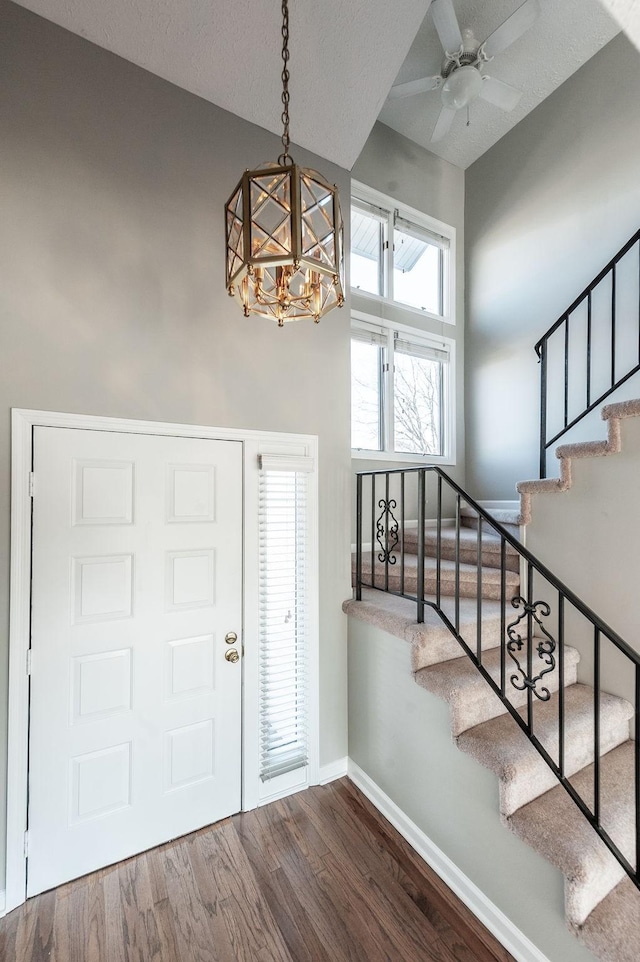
point(369, 335)
point(283, 656)
point(419, 349)
point(421, 234)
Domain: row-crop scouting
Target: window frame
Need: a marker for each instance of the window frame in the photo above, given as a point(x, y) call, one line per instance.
point(369, 197)
point(371, 324)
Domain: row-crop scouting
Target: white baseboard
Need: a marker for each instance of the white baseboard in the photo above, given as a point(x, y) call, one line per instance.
point(329, 773)
point(3, 903)
point(513, 940)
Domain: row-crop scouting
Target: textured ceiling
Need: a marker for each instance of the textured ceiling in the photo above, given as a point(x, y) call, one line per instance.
point(344, 56)
point(563, 38)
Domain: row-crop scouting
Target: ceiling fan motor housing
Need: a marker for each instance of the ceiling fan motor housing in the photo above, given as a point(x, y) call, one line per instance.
point(461, 87)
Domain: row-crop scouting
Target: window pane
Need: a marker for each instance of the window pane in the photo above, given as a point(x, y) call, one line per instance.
point(417, 272)
point(365, 396)
point(417, 412)
point(367, 236)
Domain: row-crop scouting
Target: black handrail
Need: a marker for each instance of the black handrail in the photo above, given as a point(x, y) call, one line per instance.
point(542, 349)
point(387, 534)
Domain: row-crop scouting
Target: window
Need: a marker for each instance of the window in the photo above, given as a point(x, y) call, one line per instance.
point(415, 269)
point(401, 391)
point(284, 618)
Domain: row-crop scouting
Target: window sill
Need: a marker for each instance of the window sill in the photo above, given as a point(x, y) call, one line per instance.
point(387, 302)
point(359, 454)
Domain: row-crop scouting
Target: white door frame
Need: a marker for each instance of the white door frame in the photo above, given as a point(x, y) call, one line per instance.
point(255, 443)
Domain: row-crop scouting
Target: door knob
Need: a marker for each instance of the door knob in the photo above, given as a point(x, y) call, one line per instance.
point(231, 637)
point(231, 655)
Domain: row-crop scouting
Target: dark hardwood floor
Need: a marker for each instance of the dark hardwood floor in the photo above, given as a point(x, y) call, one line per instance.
point(318, 876)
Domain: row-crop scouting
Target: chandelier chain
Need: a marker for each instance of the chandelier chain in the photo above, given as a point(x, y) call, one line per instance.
point(284, 158)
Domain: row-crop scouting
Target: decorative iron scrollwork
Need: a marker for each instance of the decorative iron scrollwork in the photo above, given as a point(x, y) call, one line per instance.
point(387, 531)
point(545, 648)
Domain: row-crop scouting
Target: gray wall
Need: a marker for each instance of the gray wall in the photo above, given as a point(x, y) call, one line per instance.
point(113, 298)
point(407, 172)
point(546, 208)
point(399, 734)
point(585, 536)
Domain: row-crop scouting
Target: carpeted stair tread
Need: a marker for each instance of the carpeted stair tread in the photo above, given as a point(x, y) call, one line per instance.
point(611, 931)
point(501, 515)
point(431, 642)
point(490, 547)
point(504, 749)
point(471, 700)
point(621, 409)
point(583, 449)
point(468, 577)
point(555, 828)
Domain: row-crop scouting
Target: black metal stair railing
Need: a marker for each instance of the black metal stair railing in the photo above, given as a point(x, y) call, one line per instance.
point(583, 356)
point(532, 646)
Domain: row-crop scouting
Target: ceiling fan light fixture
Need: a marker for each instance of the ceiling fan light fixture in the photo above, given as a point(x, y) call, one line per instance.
point(284, 232)
point(461, 87)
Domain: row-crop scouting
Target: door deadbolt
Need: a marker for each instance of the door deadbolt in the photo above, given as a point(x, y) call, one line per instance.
point(231, 637)
point(232, 655)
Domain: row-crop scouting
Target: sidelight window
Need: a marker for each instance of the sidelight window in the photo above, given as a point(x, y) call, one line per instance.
point(284, 619)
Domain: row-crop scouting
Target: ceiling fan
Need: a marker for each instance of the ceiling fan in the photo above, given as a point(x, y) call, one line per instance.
point(462, 76)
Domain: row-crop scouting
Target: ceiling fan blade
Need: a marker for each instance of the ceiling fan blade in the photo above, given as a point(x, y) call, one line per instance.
point(501, 94)
point(513, 28)
point(446, 23)
point(415, 87)
point(443, 123)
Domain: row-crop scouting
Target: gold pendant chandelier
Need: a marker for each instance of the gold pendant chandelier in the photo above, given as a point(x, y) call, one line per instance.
point(285, 233)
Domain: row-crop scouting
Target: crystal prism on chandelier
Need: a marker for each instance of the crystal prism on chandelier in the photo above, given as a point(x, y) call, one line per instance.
point(285, 233)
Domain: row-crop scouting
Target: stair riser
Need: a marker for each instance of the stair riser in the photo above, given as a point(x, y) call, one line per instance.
point(467, 589)
point(424, 653)
point(490, 557)
point(471, 708)
point(516, 792)
point(512, 529)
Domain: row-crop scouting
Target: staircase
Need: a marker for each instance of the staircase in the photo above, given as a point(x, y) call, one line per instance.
point(556, 746)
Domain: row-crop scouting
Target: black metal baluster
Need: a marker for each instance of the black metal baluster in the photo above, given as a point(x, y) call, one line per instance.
point(359, 537)
point(457, 579)
point(613, 325)
point(530, 646)
point(421, 510)
point(596, 724)
point(479, 590)
point(386, 532)
point(561, 683)
point(589, 349)
point(561, 327)
point(503, 614)
point(373, 530)
point(439, 542)
point(543, 409)
point(402, 520)
point(566, 371)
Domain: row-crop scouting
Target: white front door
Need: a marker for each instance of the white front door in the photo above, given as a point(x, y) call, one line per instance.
point(135, 734)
